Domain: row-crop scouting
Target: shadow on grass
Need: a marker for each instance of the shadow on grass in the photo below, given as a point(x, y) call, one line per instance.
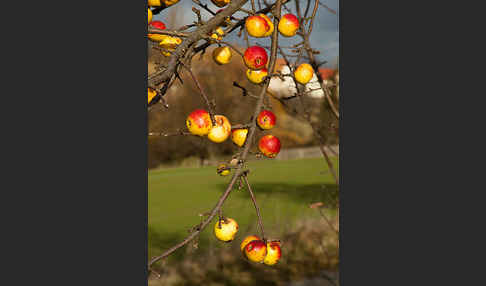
point(308, 193)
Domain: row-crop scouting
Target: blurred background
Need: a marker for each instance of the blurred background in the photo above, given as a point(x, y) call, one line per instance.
point(183, 182)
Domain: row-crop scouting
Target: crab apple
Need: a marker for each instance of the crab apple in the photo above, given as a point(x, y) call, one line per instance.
point(218, 34)
point(151, 94)
point(223, 170)
point(269, 145)
point(158, 3)
point(256, 250)
point(274, 252)
point(256, 26)
point(303, 74)
point(158, 25)
point(288, 25)
point(221, 3)
point(270, 24)
point(256, 76)
point(247, 240)
point(199, 122)
point(238, 136)
point(222, 55)
point(228, 230)
point(266, 119)
point(154, 3)
point(255, 57)
point(150, 15)
point(221, 131)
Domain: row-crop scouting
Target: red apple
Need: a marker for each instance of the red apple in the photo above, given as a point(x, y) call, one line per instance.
point(255, 57)
point(256, 250)
point(256, 26)
point(199, 122)
point(266, 119)
point(269, 145)
point(288, 25)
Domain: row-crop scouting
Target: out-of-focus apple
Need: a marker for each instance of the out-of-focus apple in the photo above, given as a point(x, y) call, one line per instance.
point(222, 55)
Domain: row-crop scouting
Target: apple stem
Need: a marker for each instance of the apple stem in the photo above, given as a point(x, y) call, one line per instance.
point(260, 222)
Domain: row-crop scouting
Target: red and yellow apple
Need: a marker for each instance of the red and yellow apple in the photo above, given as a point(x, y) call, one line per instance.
point(256, 26)
point(269, 145)
point(227, 230)
point(199, 122)
point(238, 136)
point(256, 76)
point(222, 55)
point(288, 25)
point(255, 250)
point(221, 131)
point(255, 57)
point(274, 252)
point(266, 119)
point(221, 3)
point(270, 24)
point(158, 25)
point(247, 240)
point(303, 74)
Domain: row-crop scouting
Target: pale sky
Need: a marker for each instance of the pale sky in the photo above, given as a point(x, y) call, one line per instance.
point(325, 34)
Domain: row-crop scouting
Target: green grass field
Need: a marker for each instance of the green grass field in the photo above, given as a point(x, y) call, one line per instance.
point(283, 190)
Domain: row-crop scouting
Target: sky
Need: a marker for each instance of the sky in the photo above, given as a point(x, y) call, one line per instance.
point(325, 34)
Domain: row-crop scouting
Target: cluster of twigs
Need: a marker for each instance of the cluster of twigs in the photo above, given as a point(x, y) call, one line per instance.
point(180, 61)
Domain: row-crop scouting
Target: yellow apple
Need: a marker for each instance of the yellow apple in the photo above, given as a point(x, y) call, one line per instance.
point(303, 74)
point(222, 55)
point(228, 230)
point(238, 136)
point(221, 131)
point(256, 76)
point(149, 16)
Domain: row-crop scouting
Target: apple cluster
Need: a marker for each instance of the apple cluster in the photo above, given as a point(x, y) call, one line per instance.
point(252, 247)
